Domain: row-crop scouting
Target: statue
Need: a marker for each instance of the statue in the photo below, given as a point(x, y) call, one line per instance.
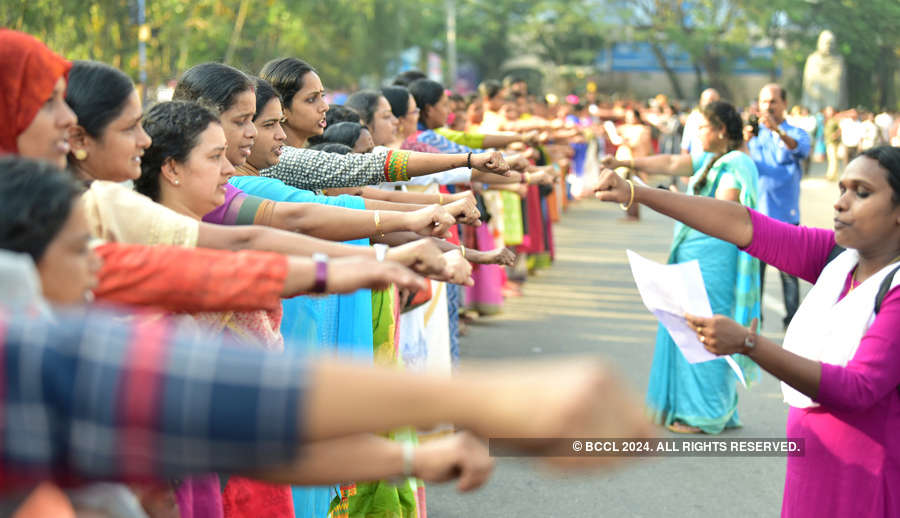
point(824, 77)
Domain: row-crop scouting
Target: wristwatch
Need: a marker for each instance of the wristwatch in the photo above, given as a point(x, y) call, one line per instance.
point(780, 131)
point(321, 261)
point(749, 341)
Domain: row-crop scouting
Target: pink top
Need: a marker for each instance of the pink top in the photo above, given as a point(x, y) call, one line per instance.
point(851, 465)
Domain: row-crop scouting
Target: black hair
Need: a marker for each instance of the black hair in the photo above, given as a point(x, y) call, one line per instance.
point(332, 147)
point(365, 102)
point(97, 93)
point(457, 98)
point(286, 75)
point(264, 94)
point(490, 88)
point(214, 84)
point(346, 133)
point(407, 78)
point(722, 115)
point(175, 128)
point(398, 97)
point(888, 157)
point(427, 93)
point(336, 113)
point(36, 199)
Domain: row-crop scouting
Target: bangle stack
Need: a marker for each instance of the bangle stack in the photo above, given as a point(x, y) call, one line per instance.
point(631, 199)
point(469, 160)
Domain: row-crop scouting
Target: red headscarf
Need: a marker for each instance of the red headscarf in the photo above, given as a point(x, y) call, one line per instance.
point(28, 73)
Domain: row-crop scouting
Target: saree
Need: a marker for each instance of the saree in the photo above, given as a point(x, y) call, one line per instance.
point(340, 324)
point(381, 498)
point(704, 395)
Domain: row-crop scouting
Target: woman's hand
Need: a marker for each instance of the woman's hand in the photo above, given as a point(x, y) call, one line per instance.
point(423, 256)
point(458, 270)
point(580, 398)
point(433, 220)
point(462, 195)
point(610, 187)
point(541, 178)
point(502, 256)
point(490, 162)
point(465, 211)
point(721, 335)
point(348, 274)
point(610, 162)
point(461, 455)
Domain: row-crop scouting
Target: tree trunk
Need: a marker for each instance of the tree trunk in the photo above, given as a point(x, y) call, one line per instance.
point(671, 74)
point(887, 98)
point(713, 65)
point(236, 33)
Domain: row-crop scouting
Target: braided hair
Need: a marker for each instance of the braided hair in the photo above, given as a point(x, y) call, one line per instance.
point(721, 115)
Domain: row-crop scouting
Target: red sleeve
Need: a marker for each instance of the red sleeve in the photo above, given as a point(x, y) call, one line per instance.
point(190, 279)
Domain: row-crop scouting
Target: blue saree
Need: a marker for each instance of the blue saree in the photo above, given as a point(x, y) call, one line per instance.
point(340, 324)
point(704, 395)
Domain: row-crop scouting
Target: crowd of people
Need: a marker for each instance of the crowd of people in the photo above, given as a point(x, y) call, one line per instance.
point(245, 301)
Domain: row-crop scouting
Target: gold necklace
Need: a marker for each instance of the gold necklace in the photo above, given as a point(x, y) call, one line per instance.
point(854, 283)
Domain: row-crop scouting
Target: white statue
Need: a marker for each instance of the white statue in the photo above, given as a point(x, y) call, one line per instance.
point(824, 76)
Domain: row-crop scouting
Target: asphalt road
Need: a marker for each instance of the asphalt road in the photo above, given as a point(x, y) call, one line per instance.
point(587, 303)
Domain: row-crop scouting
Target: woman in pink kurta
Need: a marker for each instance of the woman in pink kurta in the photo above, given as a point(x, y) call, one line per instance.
point(839, 367)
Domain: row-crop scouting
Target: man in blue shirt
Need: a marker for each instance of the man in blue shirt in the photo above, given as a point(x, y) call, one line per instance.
point(779, 150)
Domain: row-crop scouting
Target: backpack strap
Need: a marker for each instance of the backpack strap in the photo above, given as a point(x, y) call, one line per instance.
point(835, 251)
point(885, 287)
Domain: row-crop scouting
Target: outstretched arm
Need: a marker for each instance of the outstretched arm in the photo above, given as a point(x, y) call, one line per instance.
point(674, 165)
point(725, 220)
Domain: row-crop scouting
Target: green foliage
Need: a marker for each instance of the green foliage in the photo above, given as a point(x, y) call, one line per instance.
point(354, 41)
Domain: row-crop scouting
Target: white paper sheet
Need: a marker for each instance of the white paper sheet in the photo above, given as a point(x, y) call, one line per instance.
point(670, 291)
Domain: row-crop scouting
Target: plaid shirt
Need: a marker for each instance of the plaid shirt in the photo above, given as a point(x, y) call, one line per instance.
point(88, 396)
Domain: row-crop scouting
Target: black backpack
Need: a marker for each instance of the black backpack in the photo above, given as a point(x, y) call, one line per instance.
point(885, 284)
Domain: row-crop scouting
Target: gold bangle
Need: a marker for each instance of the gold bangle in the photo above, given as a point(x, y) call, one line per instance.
point(631, 200)
point(527, 177)
point(377, 216)
point(462, 250)
point(631, 163)
point(441, 198)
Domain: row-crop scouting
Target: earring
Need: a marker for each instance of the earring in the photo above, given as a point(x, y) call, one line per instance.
point(176, 182)
point(80, 154)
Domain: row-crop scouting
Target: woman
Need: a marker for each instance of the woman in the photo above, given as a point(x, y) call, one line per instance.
point(691, 398)
point(634, 142)
point(300, 89)
point(33, 99)
point(375, 113)
point(838, 366)
point(351, 134)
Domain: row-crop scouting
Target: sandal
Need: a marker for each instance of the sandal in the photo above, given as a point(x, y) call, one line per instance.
point(679, 427)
